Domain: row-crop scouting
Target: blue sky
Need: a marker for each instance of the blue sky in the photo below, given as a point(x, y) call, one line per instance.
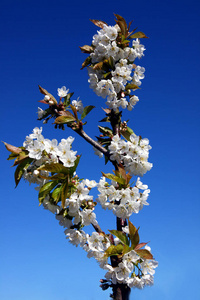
point(39, 45)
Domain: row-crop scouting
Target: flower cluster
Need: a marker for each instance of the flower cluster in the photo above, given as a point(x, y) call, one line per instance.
point(113, 82)
point(78, 208)
point(133, 154)
point(126, 270)
point(123, 202)
point(46, 150)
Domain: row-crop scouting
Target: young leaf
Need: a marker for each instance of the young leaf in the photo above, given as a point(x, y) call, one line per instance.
point(144, 254)
point(122, 24)
point(114, 250)
point(56, 194)
point(98, 66)
point(135, 239)
point(127, 133)
point(45, 190)
point(105, 130)
point(86, 62)
point(86, 111)
point(66, 101)
point(121, 236)
point(64, 119)
point(87, 49)
point(44, 92)
point(21, 169)
point(131, 86)
point(133, 234)
point(138, 35)
point(21, 157)
point(12, 149)
point(140, 246)
point(114, 178)
point(99, 23)
point(55, 168)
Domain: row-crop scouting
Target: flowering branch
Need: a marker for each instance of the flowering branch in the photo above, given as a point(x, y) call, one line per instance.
point(114, 76)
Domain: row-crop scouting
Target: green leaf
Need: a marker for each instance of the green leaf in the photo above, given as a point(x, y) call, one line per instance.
point(127, 133)
point(114, 250)
point(131, 86)
point(105, 130)
point(144, 254)
point(21, 157)
point(21, 169)
point(121, 236)
point(138, 35)
point(56, 194)
point(106, 119)
point(132, 228)
point(65, 119)
point(125, 42)
point(133, 234)
point(114, 178)
point(66, 101)
point(86, 111)
point(45, 190)
point(126, 249)
point(55, 168)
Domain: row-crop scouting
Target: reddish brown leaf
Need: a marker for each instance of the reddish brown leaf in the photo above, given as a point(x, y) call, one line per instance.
point(87, 49)
point(12, 149)
point(140, 246)
point(99, 23)
point(144, 254)
point(107, 110)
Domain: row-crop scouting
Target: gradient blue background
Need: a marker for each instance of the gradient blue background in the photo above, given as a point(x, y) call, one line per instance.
point(39, 45)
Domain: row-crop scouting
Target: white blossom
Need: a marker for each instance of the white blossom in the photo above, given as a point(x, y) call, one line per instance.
point(62, 92)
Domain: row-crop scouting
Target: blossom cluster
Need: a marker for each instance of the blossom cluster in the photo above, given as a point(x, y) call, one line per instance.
point(46, 150)
point(133, 154)
point(78, 207)
point(126, 270)
point(132, 270)
point(124, 201)
point(112, 85)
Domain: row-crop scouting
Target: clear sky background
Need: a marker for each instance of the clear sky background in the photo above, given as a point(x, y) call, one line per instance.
point(39, 45)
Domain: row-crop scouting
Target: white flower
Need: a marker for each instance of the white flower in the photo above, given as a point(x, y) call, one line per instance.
point(139, 48)
point(76, 237)
point(122, 272)
point(90, 183)
point(138, 74)
point(95, 242)
point(79, 105)
point(51, 146)
point(40, 113)
point(130, 258)
point(62, 92)
point(88, 217)
point(148, 266)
